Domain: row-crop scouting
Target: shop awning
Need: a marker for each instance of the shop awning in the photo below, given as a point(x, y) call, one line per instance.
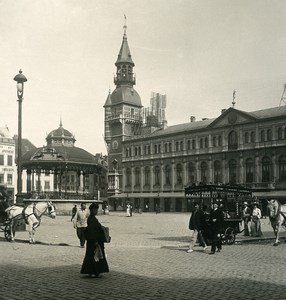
point(270, 195)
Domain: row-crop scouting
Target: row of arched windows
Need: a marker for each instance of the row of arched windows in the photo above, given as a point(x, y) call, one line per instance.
point(266, 172)
point(249, 137)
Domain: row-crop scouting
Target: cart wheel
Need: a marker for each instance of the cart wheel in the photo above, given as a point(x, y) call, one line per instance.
point(7, 232)
point(229, 236)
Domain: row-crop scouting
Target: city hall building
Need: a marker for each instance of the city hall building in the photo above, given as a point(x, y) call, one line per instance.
point(150, 163)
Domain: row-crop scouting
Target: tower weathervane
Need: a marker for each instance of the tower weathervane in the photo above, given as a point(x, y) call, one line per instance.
point(125, 26)
point(233, 98)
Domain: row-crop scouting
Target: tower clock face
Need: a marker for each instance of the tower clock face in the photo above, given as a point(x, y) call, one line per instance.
point(114, 144)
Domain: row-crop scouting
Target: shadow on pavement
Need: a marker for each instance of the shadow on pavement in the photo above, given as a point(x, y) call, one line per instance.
point(37, 243)
point(19, 282)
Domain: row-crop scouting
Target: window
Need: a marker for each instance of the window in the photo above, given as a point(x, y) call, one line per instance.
point(137, 176)
point(201, 143)
point(147, 176)
point(194, 144)
point(10, 179)
point(191, 173)
point(1, 178)
point(252, 137)
point(177, 146)
point(206, 142)
point(47, 185)
point(157, 175)
point(266, 169)
point(1, 160)
point(217, 172)
point(204, 168)
point(246, 138)
point(269, 135)
point(168, 174)
point(179, 174)
point(214, 141)
point(262, 136)
point(249, 170)
point(219, 141)
point(10, 160)
point(232, 171)
point(232, 140)
point(181, 146)
point(166, 148)
point(189, 145)
point(128, 177)
point(280, 133)
point(282, 167)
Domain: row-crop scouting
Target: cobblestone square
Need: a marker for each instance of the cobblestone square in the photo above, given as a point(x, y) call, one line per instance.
point(147, 259)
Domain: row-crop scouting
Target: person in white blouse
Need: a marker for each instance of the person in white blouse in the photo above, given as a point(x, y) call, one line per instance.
point(255, 221)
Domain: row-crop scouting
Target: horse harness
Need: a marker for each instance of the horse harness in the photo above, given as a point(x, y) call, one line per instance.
point(26, 216)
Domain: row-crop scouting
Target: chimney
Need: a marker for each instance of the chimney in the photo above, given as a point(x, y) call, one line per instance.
point(223, 110)
point(193, 119)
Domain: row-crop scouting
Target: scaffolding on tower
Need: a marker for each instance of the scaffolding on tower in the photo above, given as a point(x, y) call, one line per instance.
point(155, 114)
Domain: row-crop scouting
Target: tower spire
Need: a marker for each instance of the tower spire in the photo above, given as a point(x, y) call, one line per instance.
point(61, 123)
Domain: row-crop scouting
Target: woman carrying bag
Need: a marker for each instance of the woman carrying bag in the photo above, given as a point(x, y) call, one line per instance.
point(94, 262)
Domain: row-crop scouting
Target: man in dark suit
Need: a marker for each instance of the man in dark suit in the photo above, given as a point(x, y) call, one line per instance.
point(197, 224)
point(216, 222)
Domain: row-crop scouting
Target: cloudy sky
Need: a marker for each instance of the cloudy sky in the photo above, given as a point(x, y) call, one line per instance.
point(194, 51)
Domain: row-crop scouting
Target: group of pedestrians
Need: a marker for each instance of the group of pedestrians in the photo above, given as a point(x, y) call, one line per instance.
point(251, 220)
point(206, 229)
point(203, 231)
point(89, 230)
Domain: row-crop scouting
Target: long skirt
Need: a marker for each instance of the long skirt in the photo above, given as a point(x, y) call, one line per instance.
point(255, 227)
point(91, 264)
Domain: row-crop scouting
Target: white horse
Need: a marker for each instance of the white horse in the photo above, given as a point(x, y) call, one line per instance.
point(277, 217)
point(31, 214)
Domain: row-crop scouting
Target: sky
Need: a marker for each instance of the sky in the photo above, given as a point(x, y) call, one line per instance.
point(194, 51)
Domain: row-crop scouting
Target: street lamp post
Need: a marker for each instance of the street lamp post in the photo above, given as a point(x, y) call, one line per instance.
point(20, 79)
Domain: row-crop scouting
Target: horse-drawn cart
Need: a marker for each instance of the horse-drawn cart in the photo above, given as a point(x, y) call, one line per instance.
point(230, 199)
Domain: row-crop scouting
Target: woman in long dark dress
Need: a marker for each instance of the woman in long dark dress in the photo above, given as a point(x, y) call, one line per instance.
point(94, 261)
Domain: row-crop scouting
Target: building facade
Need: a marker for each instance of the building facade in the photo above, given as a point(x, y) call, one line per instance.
point(8, 170)
point(150, 164)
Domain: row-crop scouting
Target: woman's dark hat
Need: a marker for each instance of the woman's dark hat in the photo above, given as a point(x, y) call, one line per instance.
point(94, 206)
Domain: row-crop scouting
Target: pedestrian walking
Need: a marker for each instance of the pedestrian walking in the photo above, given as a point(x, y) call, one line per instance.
point(246, 217)
point(255, 221)
point(128, 210)
point(216, 222)
point(94, 262)
point(74, 210)
point(197, 225)
point(80, 223)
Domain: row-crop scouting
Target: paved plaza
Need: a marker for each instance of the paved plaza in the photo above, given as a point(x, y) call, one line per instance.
point(147, 259)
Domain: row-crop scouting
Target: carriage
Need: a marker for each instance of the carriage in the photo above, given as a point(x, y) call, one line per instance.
point(230, 199)
point(5, 223)
point(11, 216)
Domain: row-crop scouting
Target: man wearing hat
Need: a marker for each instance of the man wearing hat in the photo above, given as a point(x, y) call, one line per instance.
point(255, 221)
point(216, 222)
point(197, 224)
point(246, 216)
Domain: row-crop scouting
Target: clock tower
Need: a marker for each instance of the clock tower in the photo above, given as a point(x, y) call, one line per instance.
point(122, 114)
